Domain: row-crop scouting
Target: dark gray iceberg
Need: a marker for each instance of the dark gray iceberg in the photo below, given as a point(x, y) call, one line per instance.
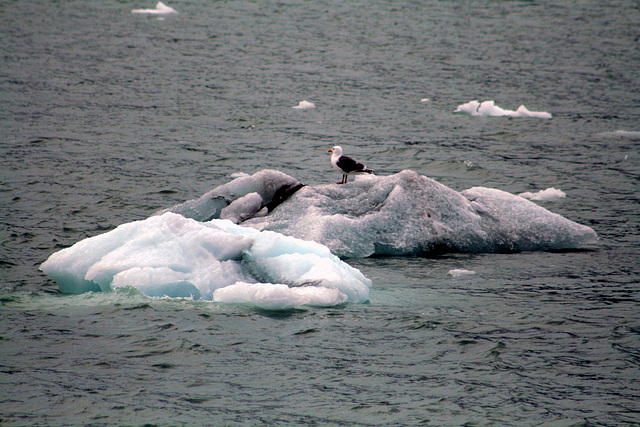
point(401, 214)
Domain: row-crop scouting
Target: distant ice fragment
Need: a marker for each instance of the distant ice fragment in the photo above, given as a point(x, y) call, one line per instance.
point(633, 135)
point(489, 108)
point(304, 105)
point(544, 195)
point(170, 255)
point(425, 100)
point(161, 9)
point(459, 272)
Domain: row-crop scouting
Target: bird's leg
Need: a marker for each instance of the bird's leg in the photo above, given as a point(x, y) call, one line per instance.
point(344, 176)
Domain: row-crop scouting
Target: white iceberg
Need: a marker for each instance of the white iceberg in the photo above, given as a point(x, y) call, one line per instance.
point(170, 255)
point(544, 195)
point(489, 108)
point(304, 105)
point(161, 9)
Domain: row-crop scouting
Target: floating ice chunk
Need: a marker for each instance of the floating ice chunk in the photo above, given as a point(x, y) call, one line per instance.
point(157, 251)
point(161, 9)
point(305, 105)
point(459, 272)
point(544, 195)
point(179, 257)
point(407, 214)
point(278, 296)
point(425, 100)
point(489, 108)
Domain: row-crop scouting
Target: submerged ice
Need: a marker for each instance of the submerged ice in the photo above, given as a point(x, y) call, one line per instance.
point(170, 255)
point(401, 214)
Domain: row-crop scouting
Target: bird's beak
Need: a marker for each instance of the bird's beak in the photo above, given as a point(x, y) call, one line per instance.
point(330, 151)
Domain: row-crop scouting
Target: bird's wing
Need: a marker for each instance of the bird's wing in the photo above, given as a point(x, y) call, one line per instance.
point(348, 165)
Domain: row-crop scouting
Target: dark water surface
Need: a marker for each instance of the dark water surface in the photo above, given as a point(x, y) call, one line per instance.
point(108, 116)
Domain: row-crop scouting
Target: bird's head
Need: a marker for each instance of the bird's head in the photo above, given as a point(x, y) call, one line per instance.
point(336, 150)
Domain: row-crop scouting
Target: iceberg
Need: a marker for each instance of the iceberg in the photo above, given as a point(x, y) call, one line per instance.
point(269, 241)
point(489, 108)
point(401, 214)
point(170, 255)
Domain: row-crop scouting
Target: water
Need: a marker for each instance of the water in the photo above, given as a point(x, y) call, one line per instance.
point(108, 116)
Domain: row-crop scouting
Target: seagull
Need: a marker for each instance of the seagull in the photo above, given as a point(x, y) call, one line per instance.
point(346, 164)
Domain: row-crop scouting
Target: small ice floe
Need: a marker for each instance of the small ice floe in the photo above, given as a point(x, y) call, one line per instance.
point(489, 108)
point(304, 105)
point(425, 100)
point(459, 272)
point(161, 9)
point(544, 195)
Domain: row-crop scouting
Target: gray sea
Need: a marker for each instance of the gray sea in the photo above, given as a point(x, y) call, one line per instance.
point(107, 116)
